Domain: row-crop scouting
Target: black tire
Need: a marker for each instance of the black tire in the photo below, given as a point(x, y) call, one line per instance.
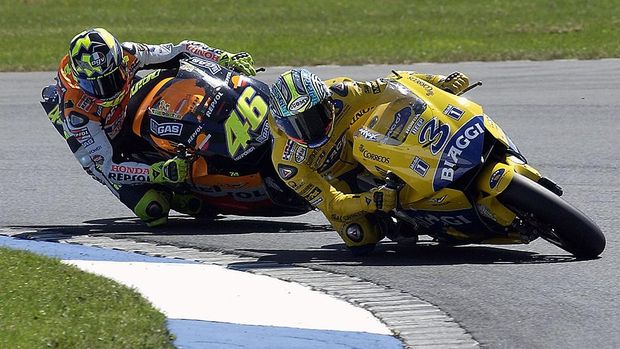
point(572, 230)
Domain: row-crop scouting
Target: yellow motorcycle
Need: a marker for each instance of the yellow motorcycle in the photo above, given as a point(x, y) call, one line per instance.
point(461, 180)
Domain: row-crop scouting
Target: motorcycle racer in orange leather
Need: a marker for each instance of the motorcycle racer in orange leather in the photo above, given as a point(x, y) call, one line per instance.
point(313, 123)
point(93, 84)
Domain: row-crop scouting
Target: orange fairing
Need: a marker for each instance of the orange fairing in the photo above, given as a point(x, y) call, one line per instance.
point(137, 121)
point(200, 176)
point(183, 96)
point(199, 168)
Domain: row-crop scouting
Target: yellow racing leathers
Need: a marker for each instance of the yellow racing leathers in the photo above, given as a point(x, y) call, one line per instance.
point(326, 176)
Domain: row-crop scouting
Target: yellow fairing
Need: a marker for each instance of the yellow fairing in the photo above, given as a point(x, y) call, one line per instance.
point(385, 144)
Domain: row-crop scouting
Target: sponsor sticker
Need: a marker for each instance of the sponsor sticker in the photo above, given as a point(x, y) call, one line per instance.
point(461, 153)
point(166, 128)
point(419, 166)
point(453, 112)
point(300, 154)
point(288, 151)
point(286, 172)
point(496, 177)
point(340, 89)
point(372, 156)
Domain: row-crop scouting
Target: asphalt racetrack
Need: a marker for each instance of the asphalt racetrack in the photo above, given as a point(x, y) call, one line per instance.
point(564, 116)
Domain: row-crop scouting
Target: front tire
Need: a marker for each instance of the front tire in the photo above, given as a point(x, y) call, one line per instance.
point(563, 224)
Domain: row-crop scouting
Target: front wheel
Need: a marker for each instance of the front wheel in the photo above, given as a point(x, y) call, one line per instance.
point(559, 222)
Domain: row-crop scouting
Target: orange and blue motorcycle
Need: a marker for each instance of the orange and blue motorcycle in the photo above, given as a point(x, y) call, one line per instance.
point(214, 117)
point(461, 180)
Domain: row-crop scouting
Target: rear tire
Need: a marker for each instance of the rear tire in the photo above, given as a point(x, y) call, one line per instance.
point(572, 230)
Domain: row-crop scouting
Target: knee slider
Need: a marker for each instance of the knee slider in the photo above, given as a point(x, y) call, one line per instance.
point(153, 208)
point(360, 233)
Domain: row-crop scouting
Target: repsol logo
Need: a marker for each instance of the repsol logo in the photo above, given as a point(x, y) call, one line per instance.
point(214, 103)
point(124, 177)
point(374, 157)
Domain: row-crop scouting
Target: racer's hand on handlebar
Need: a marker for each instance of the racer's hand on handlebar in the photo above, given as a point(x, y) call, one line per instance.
point(454, 83)
point(379, 199)
point(241, 62)
point(169, 172)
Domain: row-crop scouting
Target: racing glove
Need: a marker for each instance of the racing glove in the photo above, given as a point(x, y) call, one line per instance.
point(379, 199)
point(169, 172)
point(241, 62)
point(454, 83)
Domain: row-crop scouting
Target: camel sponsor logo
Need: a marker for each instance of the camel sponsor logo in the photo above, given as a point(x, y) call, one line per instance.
point(166, 128)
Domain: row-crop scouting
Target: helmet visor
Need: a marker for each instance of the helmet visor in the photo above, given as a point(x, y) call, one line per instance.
point(313, 127)
point(104, 87)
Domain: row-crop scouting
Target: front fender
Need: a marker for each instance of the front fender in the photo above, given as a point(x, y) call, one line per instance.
point(492, 181)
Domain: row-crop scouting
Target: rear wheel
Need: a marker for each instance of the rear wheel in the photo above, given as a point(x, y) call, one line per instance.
point(557, 221)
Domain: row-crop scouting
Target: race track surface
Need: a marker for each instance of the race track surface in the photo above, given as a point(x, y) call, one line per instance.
point(563, 115)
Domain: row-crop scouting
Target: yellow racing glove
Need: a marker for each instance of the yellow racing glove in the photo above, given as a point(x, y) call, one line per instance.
point(241, 62)
point(169, 172)
point(454, 83)
point(379, 199)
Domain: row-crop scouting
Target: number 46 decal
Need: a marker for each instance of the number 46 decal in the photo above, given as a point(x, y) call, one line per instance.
point(247, 116)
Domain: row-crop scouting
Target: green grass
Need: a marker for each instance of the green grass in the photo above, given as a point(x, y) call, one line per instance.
point(47, 304)
point(34, 34)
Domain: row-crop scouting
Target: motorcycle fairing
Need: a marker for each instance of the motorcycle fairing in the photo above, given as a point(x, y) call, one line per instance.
point(420, 138)
point(208, 108)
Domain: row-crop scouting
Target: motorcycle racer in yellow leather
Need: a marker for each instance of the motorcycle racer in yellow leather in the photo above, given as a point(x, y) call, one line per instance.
point(313, 123)
point(92, 85)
